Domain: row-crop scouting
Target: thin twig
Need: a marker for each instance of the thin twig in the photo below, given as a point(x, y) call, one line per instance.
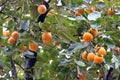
point(4, 3)
point(19, 65)
point(104, 75)
point(34, 2)
point(14, 18)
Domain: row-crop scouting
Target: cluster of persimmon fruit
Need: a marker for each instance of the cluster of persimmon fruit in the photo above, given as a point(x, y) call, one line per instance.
point(100, 52)
point(97, 57)
point(46, 36)
point(14, 36)
point(110, 11)
point(90, 34)
point(42, 9)
point(33, 46)
point(89, 10)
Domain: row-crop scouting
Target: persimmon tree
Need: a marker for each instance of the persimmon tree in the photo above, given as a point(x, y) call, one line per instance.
point(59, 39)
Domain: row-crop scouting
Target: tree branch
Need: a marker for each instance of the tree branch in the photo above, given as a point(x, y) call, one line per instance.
point(110, 74)
point(14, 73)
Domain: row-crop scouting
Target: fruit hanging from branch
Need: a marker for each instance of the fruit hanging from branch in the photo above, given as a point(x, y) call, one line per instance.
point(43, 10)
point(47, 38)
point(30, 58)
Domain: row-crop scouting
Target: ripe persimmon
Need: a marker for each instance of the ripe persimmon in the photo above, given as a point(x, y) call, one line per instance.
point(102, 51)
point(80, 11)
point(2, 45)
point(33, 46)
point(87, 37)
point(94, 32)
point(82, 77)
point(15, 35)
point(6, 33)
point(1, 72)
point(47, 38)
point(49, 14)
point(90, 57)
point(84, 55)
point(23, 48)
point(91, 9)
point(56, 43)
point(98, 59)
point(110, 11)
point(11, 40)
point(100, 75)
point(42, 9)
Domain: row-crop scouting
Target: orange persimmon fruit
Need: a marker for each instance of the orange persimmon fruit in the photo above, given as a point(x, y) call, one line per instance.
point(98, 59)
point(80, 11)
point(42, 9)
point(90, 57)
point(82, 77)
point(23, 48)
point(47, 38)
point(1, 72)
point(87, 37)
point(15, 35)
point(91, 9)
point(102, 51)
point(94, 32)
point(110, 11)
point(49, 14)
point(2, 45)
point(84, 55)
point(6, 33)
point(11, 40)
point(33, 46)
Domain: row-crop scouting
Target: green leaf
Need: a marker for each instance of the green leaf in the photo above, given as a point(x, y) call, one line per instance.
point(80, 18)
point(24, 25)
point(94, 15)
point(71, 18)
point(64, 62)
point(114, 59)
point(109, 43)
point(1, 31)
point(76, 46)
point(80, 63)
point(29, 54)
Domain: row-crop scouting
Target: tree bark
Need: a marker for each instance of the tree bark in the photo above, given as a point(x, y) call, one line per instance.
point(30, 62)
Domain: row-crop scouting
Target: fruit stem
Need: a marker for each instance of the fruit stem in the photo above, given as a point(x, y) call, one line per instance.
point(19, 65)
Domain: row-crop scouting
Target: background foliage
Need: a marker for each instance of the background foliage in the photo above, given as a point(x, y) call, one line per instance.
point(62, 59)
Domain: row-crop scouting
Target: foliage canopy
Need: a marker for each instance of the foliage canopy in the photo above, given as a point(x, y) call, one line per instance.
point(61, 60)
